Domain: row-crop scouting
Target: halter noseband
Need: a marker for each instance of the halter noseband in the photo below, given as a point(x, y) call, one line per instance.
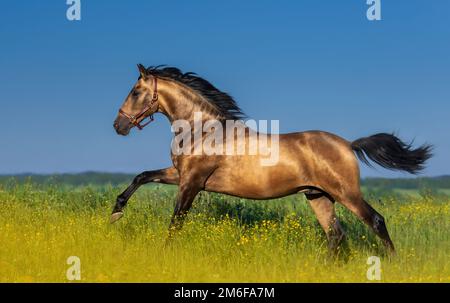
point(137, 119)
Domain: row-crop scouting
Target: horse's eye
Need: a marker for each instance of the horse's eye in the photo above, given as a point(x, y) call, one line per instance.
point(135, 93)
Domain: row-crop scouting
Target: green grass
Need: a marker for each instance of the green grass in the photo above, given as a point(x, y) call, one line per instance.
point(224, 239)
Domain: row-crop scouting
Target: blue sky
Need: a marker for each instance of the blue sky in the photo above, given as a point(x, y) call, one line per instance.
point(315, 64)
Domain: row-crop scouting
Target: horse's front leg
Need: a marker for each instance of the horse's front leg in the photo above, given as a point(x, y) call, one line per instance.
point(189, 187)
point(165, 176)
point(186, 196)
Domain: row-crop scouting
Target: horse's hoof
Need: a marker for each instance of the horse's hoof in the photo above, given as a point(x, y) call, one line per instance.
point(115, 217)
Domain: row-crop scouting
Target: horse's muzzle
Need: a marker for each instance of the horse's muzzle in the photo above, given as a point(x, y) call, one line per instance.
point(122, 126)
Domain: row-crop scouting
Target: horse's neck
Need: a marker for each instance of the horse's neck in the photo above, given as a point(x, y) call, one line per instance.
point(187, 108)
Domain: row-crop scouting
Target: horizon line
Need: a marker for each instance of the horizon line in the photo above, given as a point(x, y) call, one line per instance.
point(22, 174)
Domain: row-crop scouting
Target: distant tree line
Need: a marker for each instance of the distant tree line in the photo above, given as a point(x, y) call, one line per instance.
point(87, 178)
point(98, 178)
point(441, 182)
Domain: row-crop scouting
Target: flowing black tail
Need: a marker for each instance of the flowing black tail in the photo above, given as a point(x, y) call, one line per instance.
point(390, 152)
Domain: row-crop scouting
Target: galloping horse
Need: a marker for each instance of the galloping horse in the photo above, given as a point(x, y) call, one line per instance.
point(318, 164)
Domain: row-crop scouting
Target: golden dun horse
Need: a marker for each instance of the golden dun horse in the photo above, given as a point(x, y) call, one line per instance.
point(321, 165)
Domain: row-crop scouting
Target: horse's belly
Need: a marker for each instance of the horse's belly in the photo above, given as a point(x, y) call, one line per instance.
point(256, 183)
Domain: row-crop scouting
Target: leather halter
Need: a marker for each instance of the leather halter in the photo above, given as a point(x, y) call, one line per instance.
point(137, 119)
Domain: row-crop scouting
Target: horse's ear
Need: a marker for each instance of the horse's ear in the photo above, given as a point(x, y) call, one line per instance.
point(142, 70)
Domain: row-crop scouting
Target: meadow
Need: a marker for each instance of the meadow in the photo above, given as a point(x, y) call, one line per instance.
point(224, 239)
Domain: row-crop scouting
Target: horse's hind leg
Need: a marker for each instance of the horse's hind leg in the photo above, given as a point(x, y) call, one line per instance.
point(371, 217)
point(324, 210)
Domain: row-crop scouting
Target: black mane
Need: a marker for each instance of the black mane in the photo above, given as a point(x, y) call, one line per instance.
point(222, 102)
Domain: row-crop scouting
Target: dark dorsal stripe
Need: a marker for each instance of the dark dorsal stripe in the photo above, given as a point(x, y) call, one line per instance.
point(225, 105)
